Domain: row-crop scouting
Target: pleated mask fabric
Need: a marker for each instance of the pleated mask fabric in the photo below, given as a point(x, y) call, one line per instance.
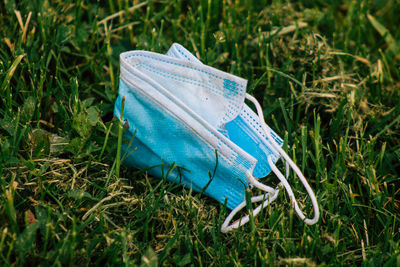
point(190, 121)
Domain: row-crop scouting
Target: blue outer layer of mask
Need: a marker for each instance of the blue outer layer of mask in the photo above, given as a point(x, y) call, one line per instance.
point(181, 112)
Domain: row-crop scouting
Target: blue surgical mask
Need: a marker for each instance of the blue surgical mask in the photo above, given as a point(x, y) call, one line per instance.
point(187, 114)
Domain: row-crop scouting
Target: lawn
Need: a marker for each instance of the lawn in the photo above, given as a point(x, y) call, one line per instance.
point(327, 74)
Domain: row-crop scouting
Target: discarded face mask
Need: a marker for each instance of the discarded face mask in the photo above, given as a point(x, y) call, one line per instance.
point(184, 113)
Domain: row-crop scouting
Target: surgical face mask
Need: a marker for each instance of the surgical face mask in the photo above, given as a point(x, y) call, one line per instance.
point(187, 114)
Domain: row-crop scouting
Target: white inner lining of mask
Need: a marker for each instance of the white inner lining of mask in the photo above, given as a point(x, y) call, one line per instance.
point(214, 95)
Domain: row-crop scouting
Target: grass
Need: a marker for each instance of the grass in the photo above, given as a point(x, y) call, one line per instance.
point(330, 87)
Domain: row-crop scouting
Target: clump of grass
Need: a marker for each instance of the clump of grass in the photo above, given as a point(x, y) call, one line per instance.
point(326, 74)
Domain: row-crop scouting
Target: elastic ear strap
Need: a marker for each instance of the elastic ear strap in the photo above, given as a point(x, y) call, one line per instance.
point(259, 185)
point(268, 198)
point(292, 165)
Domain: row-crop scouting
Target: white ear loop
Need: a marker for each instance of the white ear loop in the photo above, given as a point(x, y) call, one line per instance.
point(268, 198)
point(272, 193)
point(292, 165)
